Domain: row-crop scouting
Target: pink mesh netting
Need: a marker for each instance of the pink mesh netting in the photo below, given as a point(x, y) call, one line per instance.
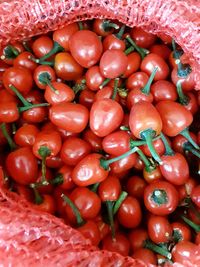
point(31, 238)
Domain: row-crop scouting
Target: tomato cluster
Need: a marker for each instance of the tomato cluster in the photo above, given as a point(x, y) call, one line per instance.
point(97, 128)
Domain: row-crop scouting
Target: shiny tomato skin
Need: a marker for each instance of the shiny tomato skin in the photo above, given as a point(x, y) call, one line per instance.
point(88, 171)
point(142, 38)
point(137, 238)
point(109, 189)
point(94, 140)
point(152, 61)
point(22, 166)
point(129, 213)
point(136, 96)
point(160, 49)
point(94, 78)
point(66, 172)
point(195, 196)
point(26, 135)
point(9, 112)
point(135, 186)
point(164, 90)
point(152, 175)
point(48, 204)
point(90, 231)
point(145, 255)
point(41, 70)
point(69, 116)
point(42, 45)
point(182, 230)
point(134, 61)
point(188, 82)
point(111, 41)
point(137, 80)
point(173, 125)
point(158, 145)
point(104, 93)
point(184, 251)
point(86, 48)
point(87, 98)
point(73, 150)
point(24, 60)
point(123, 165)
point(105, 116)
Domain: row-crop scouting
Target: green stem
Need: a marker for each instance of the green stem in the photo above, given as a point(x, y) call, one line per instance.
point(7, 136)
point(57, 180)
point(121, 32)
point(53, 89)
point(47, 63)
point(79, 86)
point(193, 225)
point(143, 52)
point(147, 135)
point(75, 210)
point(10, 52)
point(105, 163)
point(144, 159)
point(188, 147)
point(38, 198)
point(56, 48)
point(146, 89)
point(109, 205)
point(134, 143)
point(183, 70)
point(124, 128)
point(153, 247)
point(94, 187)
point(44, 152)
point(80, 25)
point(176, 53)
point(119, 201)
point(22, 109)
point(186, 134)
point(183, 99)
point(104, 83)
point(107, 25)
point(19, 95)
point(168, 149)
point(129, 50)
point(116, 82)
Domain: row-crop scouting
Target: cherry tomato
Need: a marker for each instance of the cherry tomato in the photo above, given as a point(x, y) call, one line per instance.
point(145, 255)
point(134, 61)
point(69, 116)
point(24, 192)
point(152, 175)
point(87, 98)
point(179, 141)
point(150, 62)
point(45, 189)
point(161, 198)
point(120, 244)
point(94, 78)
point(42, 45)
point(85, 47)
point(123, 165)
point(164, 90)
point(158, 145)
point(102, 27)
point(105, 116)
point(5, 96)
point(109, 189)
point(184, 251)
point(135, 186)
point(66, 173)
point(90, 231)
point(54, 162)
point(9, 52)
point(137, 238)
point(187, 82)
point(195, 195)
point(22, 166)
point(66, 67)
point(26, 135)
point(129, 213)
point(73, 150)
point(113, 63)
point(185, 190)
point(159, 229)
point(94, 140)
point(9, 112)
point(24, 60)
point(105, 93)
point(89, 171)
point(137, 80)
point(112, 41)
point(142, 38)
point(160, 49)
point(48, 204)
point(19, 77)
point(181, 231)
point(44, 75)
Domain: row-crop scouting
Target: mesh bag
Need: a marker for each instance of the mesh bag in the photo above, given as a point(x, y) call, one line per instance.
point(32, 238)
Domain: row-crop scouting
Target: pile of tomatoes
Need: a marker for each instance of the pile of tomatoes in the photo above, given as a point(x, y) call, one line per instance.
point(96, 128)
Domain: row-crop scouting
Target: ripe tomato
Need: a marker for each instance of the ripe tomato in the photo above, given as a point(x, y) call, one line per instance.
point(24, 60)
point(48, 204)
point(135, 186)
point(181, 232)
point(142, 38)
point(94, 78)
point(137, 238)
point(90, 231)
point(184, 251)
point(137, 80)
point(164, 90)
point(26, 135)
point(42, 45)
point(109, 189)
point(134, 61)
point(145, 255)
point(94, 140)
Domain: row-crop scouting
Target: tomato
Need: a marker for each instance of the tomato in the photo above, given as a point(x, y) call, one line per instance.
point(195, 195)
point(73, 150)
point(58, 92)
point(113, 63)
point(35, 115)
point(151, 175)
point(88, 203)
point(66, 67)
point(104, 27)
point(179, 142)
point(161, 198)
point(54, 162)
point(44, 75)
point(129, 213)
point(185, 190)
point(24, 192)
point(105, 116)
point(24, 60)
point(87, 98)
point(116, 143)
point(94, 78)
point(137, 80)
point(159, 229)
point(19, 77)
point(163, 90)
point(137, 238)
point(187, 81)
point(142, 38)
point(112, 41)
point(105, 93)
point(123, 164)
point(94, 140)
point(145, 255)
point(134, 61)
point(158, 145)
point(69, 116)
point(89, 171)
point(26, 135)
point(184, 251)
point(90, 231)
point(66, 173)
point(9, 52)
point(109, 189)
point(120, 244)
point(152, 61)
point(181, 232)
point(175, 168)
point(22, 166)
point(45, 189)
point(5, 96)
point(86, 48)
point(160, 49)
point(135, 186)
point(42, 45)
point(136, 96)
point(9, 112)
point(48, 204)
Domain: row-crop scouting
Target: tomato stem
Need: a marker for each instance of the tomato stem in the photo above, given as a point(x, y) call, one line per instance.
point(19, 95)
point(129, 50)
point(168, 149)
point(38, 198)
point(56, 48)
point(188, 147)
point(105, 163)
point(109, 205)
point(22, 109)
point(57, 180)
point(75, 210)
point(104, 83)
point(183, 70)
point(44, 152)
point(146, 89)
point(176, 53)
point(187, 135)
point(124, 128)
point(152, 246)
point(183, 99)
point(116, 82)
point(193, 225)
point(134, 143)
point(159, 196)
point(94, 187)
point(107, 25)
point(10, 52)
point(121, 32)
point(147, 135)
point(119, 201)
point(80, 25)
point(79, 86)
point(142, 51)
point(144, 159)
point(11, 143)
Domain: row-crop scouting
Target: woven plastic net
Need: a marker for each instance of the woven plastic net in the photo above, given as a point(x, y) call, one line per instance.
point(32, 238)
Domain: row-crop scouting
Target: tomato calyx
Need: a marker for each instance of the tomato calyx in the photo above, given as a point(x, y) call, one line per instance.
point(159, 196)
point(157, 249)
point(183, 99)
point(94, 187)
point(11, 143)
point(44, 152)
point(9, 52)
point(177, 236)
point(148, 135)
point(146, 89)
point(107, 25)
point(142, 51)
point(193, 225)
point(79, 86)
point(129, 50)
point(75, 210)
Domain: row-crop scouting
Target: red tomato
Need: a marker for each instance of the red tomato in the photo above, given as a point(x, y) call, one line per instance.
point(161, 198)
point(160, 49)
point(90, 231)
point(54, 162)
point(105, 93)
point(109, 189)
point(123, 165)
point(164, 90)
point(9, 52)
point(87, 98)
point(105, 116)
point(44, 75)
point(184, 251)
point(151, 175)
point(137, 80)
point(5, 96)
point(9, 112)
point(66, 173)
point(145, 255)
point(187, 82)
point(94, 140)
point(48, 204)
point(195, 195)
point(134, 61)
point(137, 238)
point(24, 60)
point(86, 48)
point(181, 231)
point(94, 78)
point(142, 38)
point(158, 145)
point(185, 190)
point(42, 45)
point(103, 27)
point(135, 186)
point(45, 189)
point(22, 166)
point(112, 41)
point(26, 135)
